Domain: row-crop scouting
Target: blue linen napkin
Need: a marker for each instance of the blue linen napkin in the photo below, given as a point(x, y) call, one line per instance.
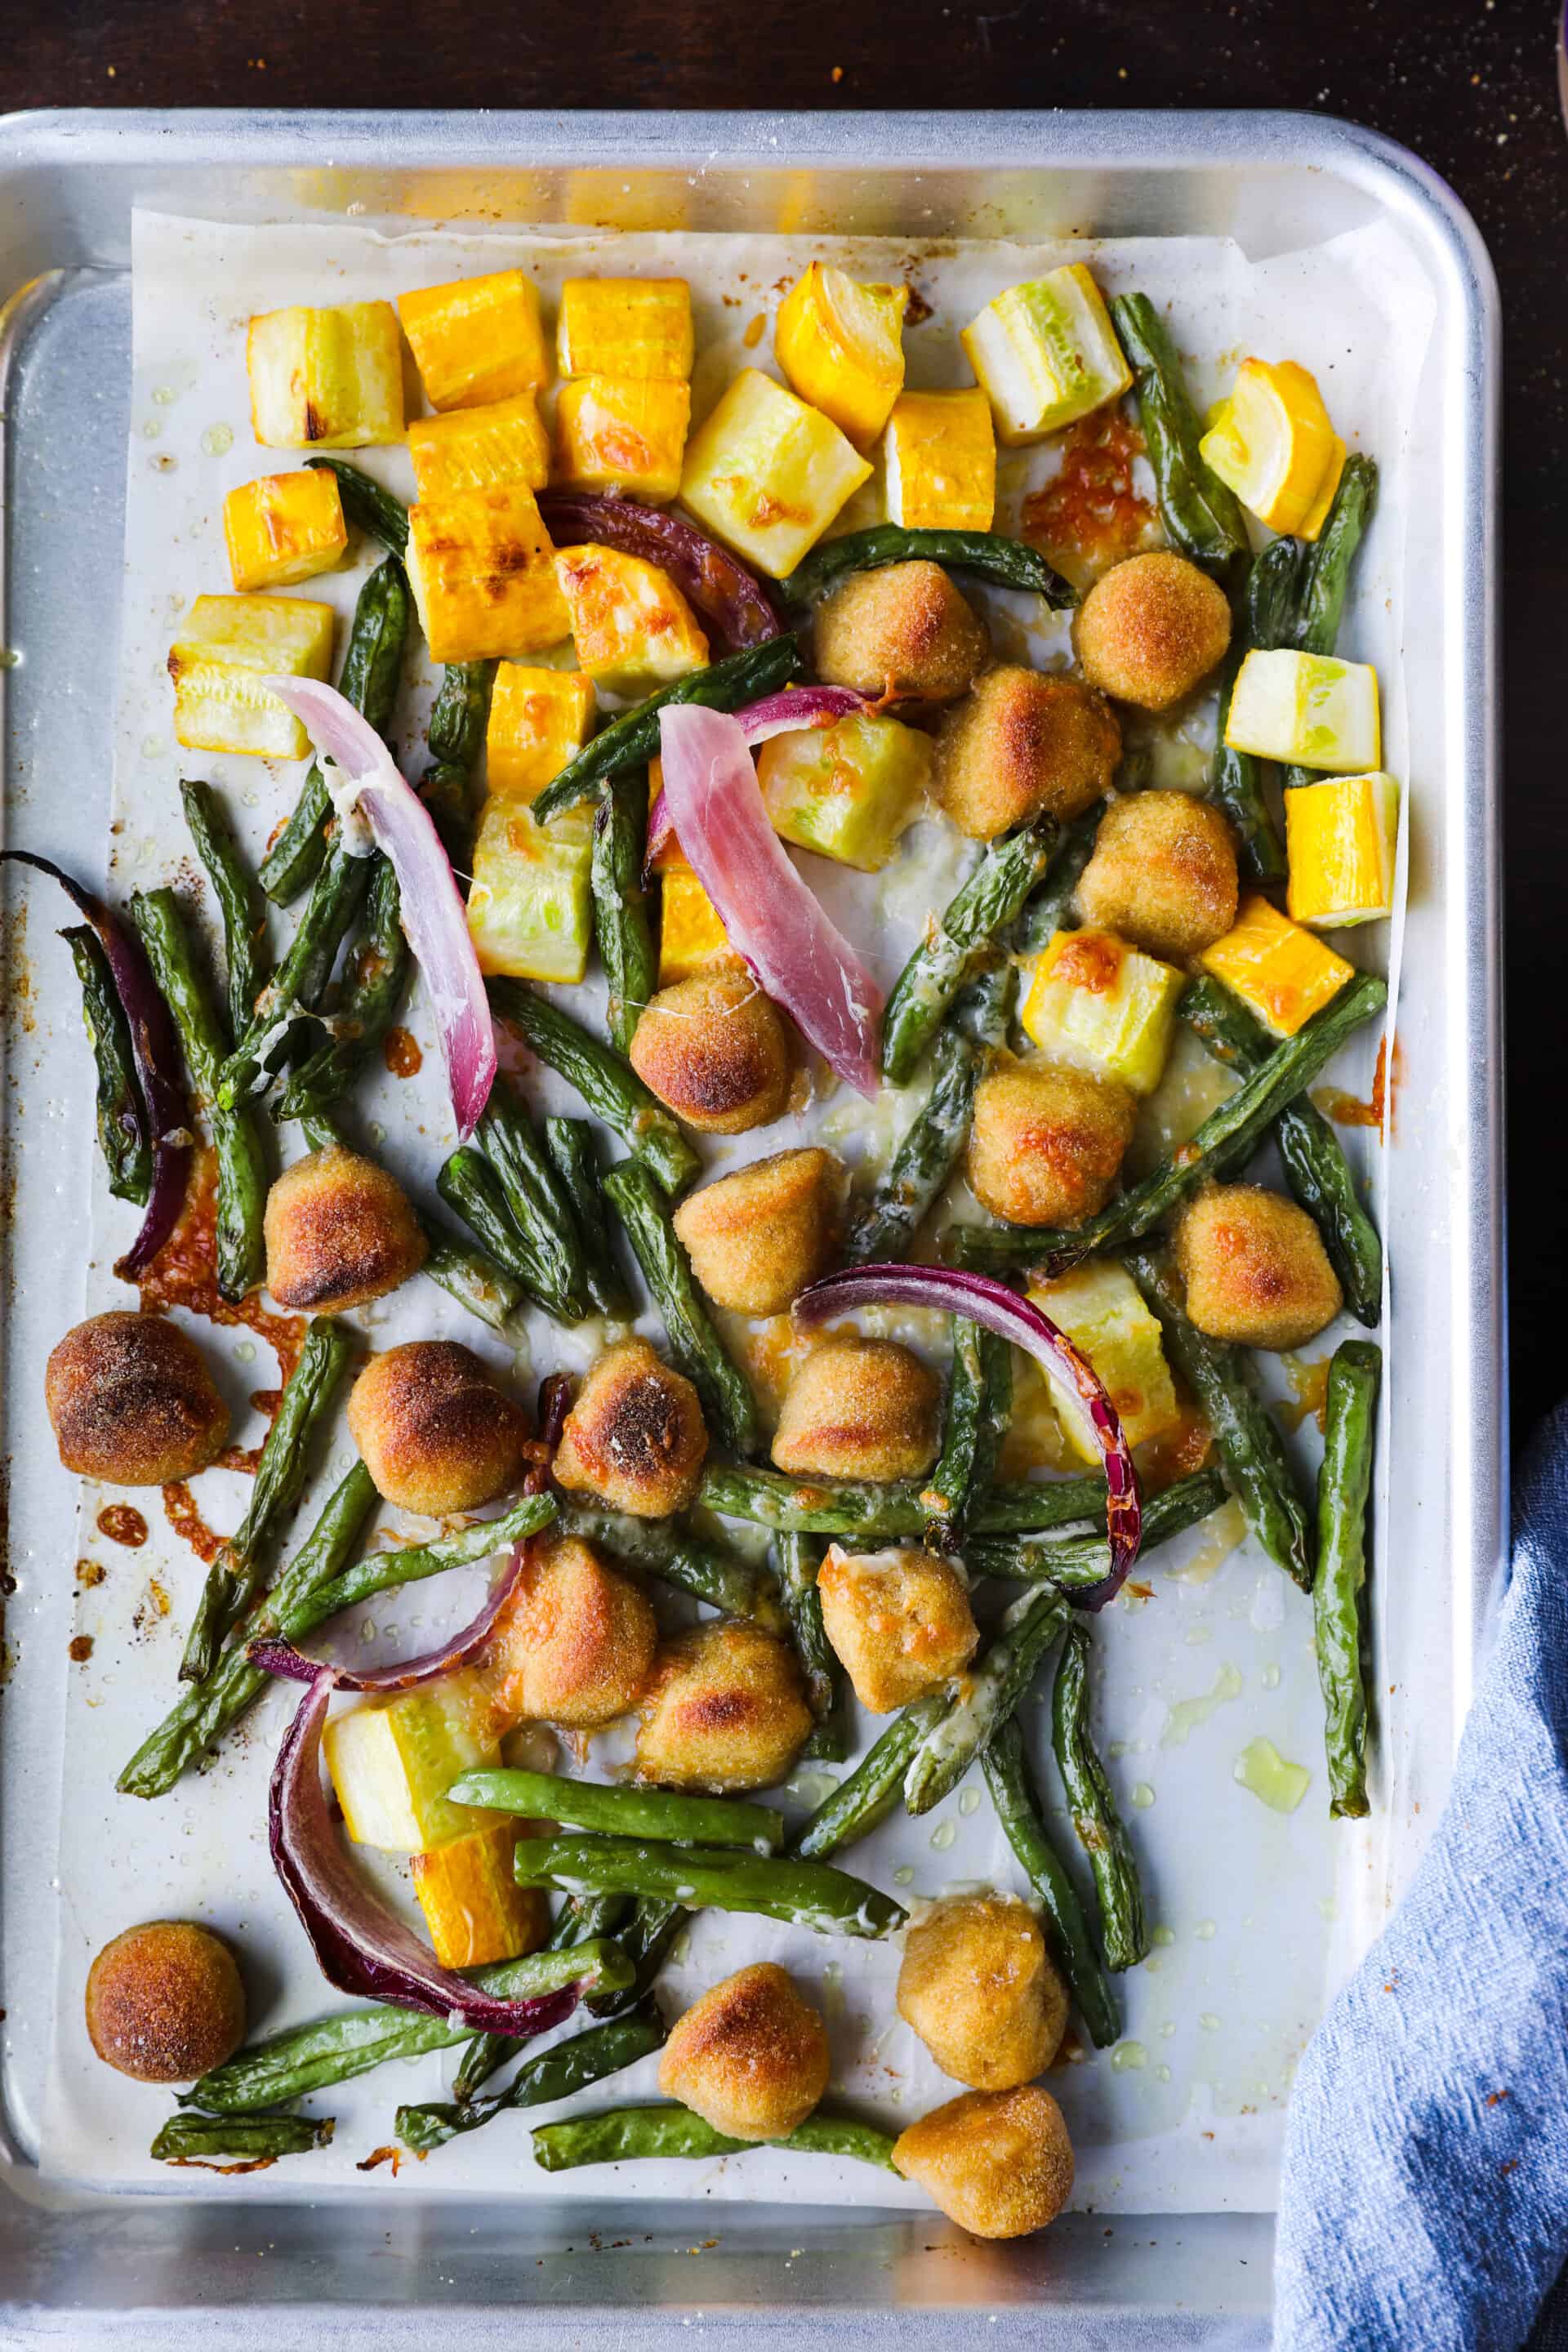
point(1425, 2199)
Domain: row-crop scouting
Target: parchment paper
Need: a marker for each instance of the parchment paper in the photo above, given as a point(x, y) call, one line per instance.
point(1255, 1910)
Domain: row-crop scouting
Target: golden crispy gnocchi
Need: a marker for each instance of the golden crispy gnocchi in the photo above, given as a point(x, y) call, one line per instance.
point(132, 1401)
point(899, 1621)
point(1256, 1268)
point(999, 2163)
point(759, 1237)
point(859, 1409)
point(716, 1052)
point(340, 1233)
point(1023, 745)
point(725, 1711)
point(905, 629)
point(1151, 630)
point(1046, 1141)
point(1162, 875)
point(634, 1435)
point(749, 2057)
point(433, 1428)
point(164, 2002)
point(980, 1989)
point(575, 1645)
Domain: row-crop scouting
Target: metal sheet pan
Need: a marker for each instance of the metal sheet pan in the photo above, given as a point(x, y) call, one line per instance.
point(1273, 182)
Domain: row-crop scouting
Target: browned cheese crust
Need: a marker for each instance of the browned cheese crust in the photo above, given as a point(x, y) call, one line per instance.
point(978, 1986)
point(165, 2002)
point(749, 2057)
point(715, 1050)
point(859, 1409)
point(132, 1401)
point(634, 1435)
point(577, 1644)
point(1162, 875)
point(726, 1711)
point(899, 1623)
point(999, 2163)
point(435, 1432)
point(1046, 1141)
point(1024, 745)
point(340, 1233)
point(1150, 630)
point(759, 1237)
point(1256, 1268)
point(903, 630)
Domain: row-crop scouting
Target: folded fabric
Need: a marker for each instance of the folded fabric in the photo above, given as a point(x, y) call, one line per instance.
point(1425, 2198)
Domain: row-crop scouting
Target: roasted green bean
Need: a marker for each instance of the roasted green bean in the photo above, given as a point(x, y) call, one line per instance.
point(606, 1082)
point(798, 1558)
point(243, 922)
point(1018, 1808)
point(843, 1507)
point(1201, 516)
point(1006, 562)
point(556, 2074)
point(949, 955)
point(377, 973)
point(885, 1225)
point(625, 2134)
point(536, 1203)
point(1264, 618)
point(979, 1407)
point(1123, 1929)
point(806, 1893)
point(622, 1811)
point(249, 2141)
point(694, 1341)
point(993, 1690)
point(1345, 1484)
point(621, 926)
point(574, 1155)
point(632, 741)
point(120, 1112)
point(1074, 1563)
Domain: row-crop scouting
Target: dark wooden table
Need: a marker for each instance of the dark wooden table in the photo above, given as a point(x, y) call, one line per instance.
point(1469, 84)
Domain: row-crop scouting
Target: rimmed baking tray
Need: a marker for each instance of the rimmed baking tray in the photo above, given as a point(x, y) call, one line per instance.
point(69, 183)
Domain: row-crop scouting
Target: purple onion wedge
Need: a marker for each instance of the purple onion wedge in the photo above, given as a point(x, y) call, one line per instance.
point(362, 1948)
point(1077, 1390)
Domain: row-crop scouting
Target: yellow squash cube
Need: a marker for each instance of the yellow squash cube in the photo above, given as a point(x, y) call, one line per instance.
point(848, 791)
point(478, 340)
point(638, 329)
point(326, 379)
point(393, 1760)
point(529, 903)
point(483, 569)
point(481, 448)
point(1310, 710)
point(766, 474)
point(613, 433)
point(284, 528)
point(1282, 971)
point(691, 935)
point(939, 461)
point(634, 629)
point(539, 722)
point(228, 644)
point(1046, 353)
point(841, 345)
point(474, 1908)
point(1106, 1006)
point(1341, 837)
point(1273, 442)
point(1103, 1311)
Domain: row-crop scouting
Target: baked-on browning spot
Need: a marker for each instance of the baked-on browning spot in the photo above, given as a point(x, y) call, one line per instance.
point(905, 629)
point(999, 2163)
point(715, 1050)
point(340, 1233)
point(164, 2002)
point(1025, 744)
point(859, 1409)
point(749, 2057)
point(979, 1987)
point(1151, 630)
point(635, 1436)
point(1046, 1141)
point(575, 1645)
point(899, 1621)
point(758, 1237)
point(726, 1711)
point(1162, 875)
point(433, 1428)
point(132, 1401)
point(1256, 1268)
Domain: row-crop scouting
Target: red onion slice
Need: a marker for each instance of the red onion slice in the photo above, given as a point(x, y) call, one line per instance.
point(276, 1656)
point(736, 607)
point(787, 713)
point(800, 958)
point(362, 1947)
point(156, 1054)
point(434, 915)
point(1078, 1388)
